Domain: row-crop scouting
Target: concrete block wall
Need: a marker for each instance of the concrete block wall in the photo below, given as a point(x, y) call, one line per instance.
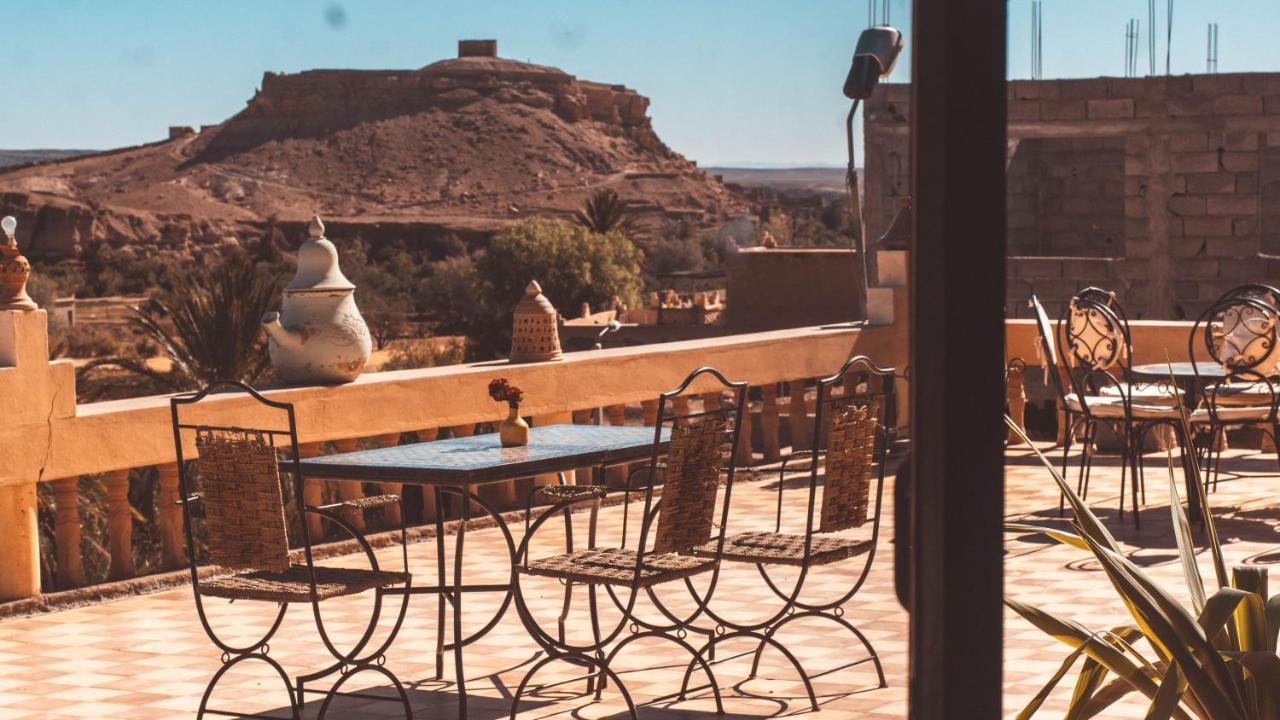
point(1193, 211)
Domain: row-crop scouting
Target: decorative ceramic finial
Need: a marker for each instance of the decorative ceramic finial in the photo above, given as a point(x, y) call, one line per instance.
point(316, 229)
point(536, 333)
point(14, 271)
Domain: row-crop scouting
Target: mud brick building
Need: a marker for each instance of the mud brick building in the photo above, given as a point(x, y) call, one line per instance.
point(1165, 189)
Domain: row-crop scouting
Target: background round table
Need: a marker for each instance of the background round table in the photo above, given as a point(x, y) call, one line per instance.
point(1180, 370)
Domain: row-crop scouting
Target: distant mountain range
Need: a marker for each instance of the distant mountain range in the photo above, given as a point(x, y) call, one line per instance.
point(811, 179)
point(9, 158)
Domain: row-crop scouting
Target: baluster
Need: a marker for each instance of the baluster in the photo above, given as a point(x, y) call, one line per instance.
point(169, 517)
point(66, 497)
point(312, 493)
point(393, 515)
point(350, 489)
point(119, 526)
point(1016, 397)
point(680, 406)
point(428, 497)
point(616, 415)
point(799, 416)
point(769, 423)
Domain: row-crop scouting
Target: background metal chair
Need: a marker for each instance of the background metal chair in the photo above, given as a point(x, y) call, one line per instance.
point(699, 461)
point(242, 504)
point(1239, 332)
point(853, 431)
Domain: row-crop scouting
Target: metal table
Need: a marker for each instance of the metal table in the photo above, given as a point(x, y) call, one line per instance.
point(456, 466)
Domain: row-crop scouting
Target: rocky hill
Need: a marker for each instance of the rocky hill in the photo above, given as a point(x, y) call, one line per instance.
point(457, 147)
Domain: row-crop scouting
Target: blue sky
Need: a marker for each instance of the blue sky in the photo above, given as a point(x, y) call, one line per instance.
point(732, 81)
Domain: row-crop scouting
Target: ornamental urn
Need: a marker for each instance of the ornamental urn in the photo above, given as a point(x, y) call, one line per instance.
point(319, 335)
point(14, 271)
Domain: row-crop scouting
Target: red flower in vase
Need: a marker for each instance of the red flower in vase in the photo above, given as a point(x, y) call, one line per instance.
point(502, 391)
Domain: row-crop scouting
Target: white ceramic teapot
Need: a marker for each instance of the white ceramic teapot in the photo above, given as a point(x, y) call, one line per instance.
point(319, 335)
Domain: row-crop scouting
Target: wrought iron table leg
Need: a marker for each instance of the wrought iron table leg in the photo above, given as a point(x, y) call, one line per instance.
point(441, 599)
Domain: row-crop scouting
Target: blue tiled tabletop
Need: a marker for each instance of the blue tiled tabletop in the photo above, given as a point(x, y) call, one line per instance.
point(481, 458)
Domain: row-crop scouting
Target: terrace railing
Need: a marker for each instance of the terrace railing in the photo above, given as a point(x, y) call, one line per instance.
point(47, 440)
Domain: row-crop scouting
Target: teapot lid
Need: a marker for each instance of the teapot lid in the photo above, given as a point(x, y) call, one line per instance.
point(318, 264)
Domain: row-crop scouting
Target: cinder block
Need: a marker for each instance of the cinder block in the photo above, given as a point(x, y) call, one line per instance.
point(1236, 269)
point(1110, 109)
point(1184, 205)
point(1261, 83)
point(1239, 140)
point(1135, 207)
point(1130, 87)
point(1024, 109)
point(1196, 268)
point(1034, 268)
point(1082, 88)
point(1135, 185)
point(1131, 268)
point(1194, 162)
point(1233, 246)
point(1240, 161)
point(1273, 139)
point(1221, 182)
point(1062, 109)
point(1178, 85)
point(1271, 103)
point(1207, 226)
point(1191, 106)
point(1244, 226)
point(1033, 89)
point(1231, 204)
point(1136, 165)
point(1186, 247)
point(1238, 105)
point(1247, 183)
point(1224, 84)
point(1189, 142)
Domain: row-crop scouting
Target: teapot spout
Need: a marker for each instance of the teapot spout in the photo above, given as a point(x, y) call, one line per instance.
point(284, 337)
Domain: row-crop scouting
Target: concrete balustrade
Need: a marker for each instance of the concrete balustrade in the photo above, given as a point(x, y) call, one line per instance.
point(46, 437)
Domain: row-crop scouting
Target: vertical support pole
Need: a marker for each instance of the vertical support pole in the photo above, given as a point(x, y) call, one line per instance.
point(393, 514)
point(66, 530)
point(744, 456)
point(584, 476)
point(956, 494)
point(508, 488)
point(119, 525)
point(429, 508)
point(312, 493)
point(799, 416)
point(548, 478)
point(169, 516)
point(771, 444)
point(350, 489)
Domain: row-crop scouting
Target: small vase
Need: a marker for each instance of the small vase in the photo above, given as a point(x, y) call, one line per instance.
point(514, 431)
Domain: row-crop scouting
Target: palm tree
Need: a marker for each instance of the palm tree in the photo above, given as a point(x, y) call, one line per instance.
point(210, 327)
point(602, 212)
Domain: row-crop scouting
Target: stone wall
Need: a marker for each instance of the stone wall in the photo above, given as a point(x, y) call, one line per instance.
point(1198, 191)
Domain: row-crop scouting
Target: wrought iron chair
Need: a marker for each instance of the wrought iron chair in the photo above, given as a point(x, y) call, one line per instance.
point(1105, 393)
point(1239, 332)
point(242, 503)
point(699, 460)
point(852, 432)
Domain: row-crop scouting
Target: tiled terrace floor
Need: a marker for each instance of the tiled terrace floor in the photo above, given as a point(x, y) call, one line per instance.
point(146, 657)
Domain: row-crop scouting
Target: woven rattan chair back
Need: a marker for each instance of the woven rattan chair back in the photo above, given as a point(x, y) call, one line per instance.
point(851, 449)
point(851, 417)
point(244, 506)
point(699, 459)
point(699, 448)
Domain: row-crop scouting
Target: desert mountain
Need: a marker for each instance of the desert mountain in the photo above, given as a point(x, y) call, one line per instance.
point(460, 146)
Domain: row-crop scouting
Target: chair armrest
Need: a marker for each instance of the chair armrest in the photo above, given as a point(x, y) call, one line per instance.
point(360, 503)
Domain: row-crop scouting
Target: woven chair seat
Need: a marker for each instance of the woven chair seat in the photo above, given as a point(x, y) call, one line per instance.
point(770, 548)
point(615, 566)
point(557, 493)
point(294, 584)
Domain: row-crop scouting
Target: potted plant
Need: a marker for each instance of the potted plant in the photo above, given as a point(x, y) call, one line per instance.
point(514, 431)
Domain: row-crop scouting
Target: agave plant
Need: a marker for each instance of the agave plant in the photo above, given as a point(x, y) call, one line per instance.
point(1215, 660)
point(209, 328)
point(602, 212)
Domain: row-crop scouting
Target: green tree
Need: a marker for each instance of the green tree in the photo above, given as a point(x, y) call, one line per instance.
point(573, 266)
